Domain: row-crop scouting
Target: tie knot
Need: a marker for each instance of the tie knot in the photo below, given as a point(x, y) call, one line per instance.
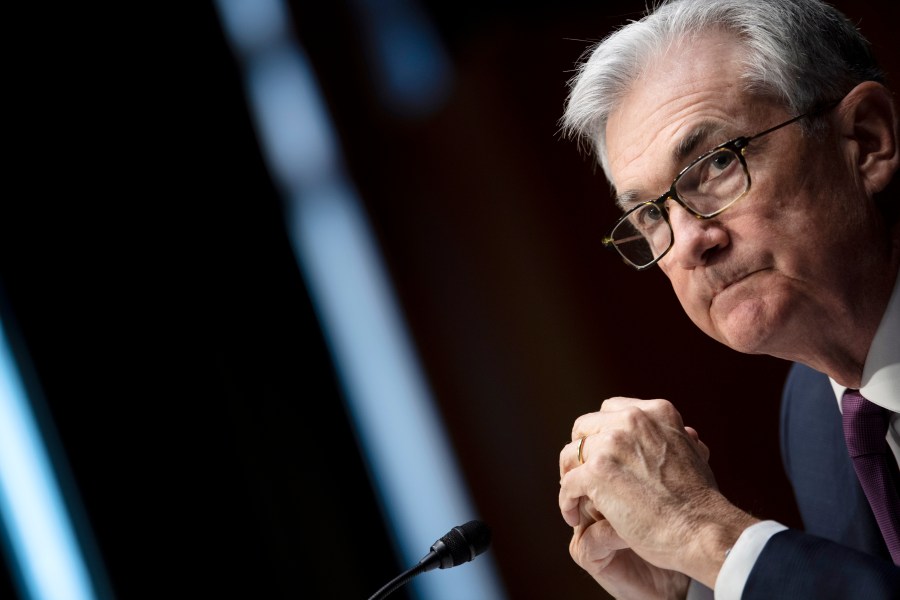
point(865, 424)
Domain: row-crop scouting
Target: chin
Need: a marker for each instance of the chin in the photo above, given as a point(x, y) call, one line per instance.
point(746, 342)
point(746, 327)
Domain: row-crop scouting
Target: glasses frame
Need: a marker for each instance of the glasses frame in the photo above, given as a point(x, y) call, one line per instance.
point(738, 146)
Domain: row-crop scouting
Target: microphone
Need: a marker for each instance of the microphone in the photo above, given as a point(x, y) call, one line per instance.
point(460, 545)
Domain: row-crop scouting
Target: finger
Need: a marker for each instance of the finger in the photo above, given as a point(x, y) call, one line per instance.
point(601, 534)
point(595, 545)
point(586, 425)
point(589, 514)
point(660, 409)
point(703, 448)
point(692, 433)
point(590, 423)
point(619, 402)
point(570, 495)
point(573, 488)
point(569, 455)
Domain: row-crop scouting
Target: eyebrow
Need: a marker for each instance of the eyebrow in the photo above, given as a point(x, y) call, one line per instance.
point(687, 147)
point(684, 149)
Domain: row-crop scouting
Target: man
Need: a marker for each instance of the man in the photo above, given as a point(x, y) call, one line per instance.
point(781, 238)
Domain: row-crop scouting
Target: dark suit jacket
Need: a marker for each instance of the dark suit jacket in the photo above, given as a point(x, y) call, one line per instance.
point(841, 553)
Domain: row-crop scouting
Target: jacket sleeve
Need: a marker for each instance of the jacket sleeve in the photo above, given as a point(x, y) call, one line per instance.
point(795, 565)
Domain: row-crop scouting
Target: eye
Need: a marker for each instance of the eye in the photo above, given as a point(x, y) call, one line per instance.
point(720, 164)
point(647, 216)
point(708, 175)
point(721, 161)
point(713, 182)
point(652, 213)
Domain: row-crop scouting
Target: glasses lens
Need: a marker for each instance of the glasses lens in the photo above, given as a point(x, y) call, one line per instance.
point(643, 235)
point(714, 182)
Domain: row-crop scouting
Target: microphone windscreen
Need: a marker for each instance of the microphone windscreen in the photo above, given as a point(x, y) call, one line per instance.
point(467, 541)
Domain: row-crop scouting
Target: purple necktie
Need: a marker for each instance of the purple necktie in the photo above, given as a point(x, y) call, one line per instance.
point(865, 429)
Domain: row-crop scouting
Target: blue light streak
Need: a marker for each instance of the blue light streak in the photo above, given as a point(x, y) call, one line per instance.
point(411, 464)
point(42, 543)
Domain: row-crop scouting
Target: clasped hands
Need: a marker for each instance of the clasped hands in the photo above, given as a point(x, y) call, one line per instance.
point(644, 506)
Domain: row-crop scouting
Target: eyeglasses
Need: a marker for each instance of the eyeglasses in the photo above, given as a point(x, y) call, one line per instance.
point(707, 187)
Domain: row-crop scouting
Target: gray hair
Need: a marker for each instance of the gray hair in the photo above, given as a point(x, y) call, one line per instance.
point(802, 52)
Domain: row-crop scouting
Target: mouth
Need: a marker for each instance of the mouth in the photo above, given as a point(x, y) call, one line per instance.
point(731, 282)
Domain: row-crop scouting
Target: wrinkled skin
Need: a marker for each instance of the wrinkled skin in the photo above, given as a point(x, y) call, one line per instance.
point(800, 268)
point(640, 462)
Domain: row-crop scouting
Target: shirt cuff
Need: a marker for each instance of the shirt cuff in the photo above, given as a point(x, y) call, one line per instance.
point(741, 558)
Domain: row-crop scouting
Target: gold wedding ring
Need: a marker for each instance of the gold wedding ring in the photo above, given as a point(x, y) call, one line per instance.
point(580, 447)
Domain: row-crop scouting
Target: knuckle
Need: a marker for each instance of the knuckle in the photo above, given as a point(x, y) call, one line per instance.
point(576, 428)
point(615, 439)
point(665, 408)
point(633, 416)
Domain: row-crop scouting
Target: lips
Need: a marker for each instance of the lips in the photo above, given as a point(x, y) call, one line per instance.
point(720, 283)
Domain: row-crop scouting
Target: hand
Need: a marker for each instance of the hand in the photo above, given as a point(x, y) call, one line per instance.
point(599, 550)
point(645, 502)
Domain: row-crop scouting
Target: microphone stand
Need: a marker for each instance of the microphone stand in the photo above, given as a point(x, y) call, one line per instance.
point(429, 562)
point(399, 581)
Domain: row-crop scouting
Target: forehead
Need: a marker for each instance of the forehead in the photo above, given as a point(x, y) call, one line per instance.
point(687, 100)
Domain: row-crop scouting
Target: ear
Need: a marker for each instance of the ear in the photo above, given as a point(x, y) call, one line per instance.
point(868, 121)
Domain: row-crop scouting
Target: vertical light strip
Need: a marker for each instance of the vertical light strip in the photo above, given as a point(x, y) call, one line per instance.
point(43, 546)
point(407, 451)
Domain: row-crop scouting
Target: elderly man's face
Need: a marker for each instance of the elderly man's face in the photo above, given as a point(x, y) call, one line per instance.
point(759, 276)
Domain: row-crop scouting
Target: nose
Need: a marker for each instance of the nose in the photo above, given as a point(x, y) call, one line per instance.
point(696, 240)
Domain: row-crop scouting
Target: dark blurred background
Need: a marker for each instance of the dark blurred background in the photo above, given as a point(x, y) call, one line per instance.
point(172, 349)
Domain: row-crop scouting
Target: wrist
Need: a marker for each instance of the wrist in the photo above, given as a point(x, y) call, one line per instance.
point(713, 536)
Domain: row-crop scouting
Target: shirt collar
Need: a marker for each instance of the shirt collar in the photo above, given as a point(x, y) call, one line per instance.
point(881, 372)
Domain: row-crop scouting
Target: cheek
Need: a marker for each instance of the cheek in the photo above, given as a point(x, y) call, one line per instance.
point(781, 227)
point(794, 188)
